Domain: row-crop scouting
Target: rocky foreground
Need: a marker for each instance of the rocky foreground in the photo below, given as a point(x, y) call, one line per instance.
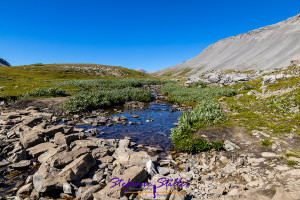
point(65, 163)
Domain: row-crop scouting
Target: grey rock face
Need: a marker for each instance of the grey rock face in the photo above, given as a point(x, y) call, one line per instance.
point(4, 63)
point(257, 49)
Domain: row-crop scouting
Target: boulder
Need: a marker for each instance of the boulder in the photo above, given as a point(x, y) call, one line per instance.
point(88, 193)
point(39, 149)
point(62, 159)
point(25, 189)
point(78, 168)
point(230, 146)
point(30, 138)
point(17, 156)
point(62, 139)
point(47, 179)
point(50, 132)
point(21, 165)
point(51, 152)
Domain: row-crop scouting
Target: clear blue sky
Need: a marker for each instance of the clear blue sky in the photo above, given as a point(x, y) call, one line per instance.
point(151, 34)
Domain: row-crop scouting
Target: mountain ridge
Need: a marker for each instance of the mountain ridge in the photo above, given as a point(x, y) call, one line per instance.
point(263, 48)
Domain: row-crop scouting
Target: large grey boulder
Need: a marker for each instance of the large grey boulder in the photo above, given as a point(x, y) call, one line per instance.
point(47, 179)
point(62, 159)
point(39, 149)
point(78, 168)
point(30, 138)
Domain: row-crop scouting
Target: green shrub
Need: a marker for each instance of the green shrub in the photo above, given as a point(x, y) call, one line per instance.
point(266, 142)
point(199, 84)
point(291, 163)
point(206, 113)
point(89, 100)
point(179, 93)
point(46, 92)
point(110, 84)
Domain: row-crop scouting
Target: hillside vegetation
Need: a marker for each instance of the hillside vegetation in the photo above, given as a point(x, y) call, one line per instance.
point(18, 80)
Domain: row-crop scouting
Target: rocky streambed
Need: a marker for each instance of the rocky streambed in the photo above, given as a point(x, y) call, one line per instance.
point(47, 156)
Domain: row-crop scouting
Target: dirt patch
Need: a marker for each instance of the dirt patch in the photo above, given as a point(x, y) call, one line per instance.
point(51, 103)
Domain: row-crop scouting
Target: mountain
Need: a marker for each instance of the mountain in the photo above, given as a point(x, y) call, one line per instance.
point(141, 70)
point(4, 63)
point(264, 48)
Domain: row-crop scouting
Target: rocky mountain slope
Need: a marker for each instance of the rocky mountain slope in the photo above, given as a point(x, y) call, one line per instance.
point(264, 48)
point(4, 63)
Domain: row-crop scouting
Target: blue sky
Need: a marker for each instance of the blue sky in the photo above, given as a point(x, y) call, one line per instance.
point(148, 34)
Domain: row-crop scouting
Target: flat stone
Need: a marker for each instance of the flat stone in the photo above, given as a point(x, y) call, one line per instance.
point(25, 189)
point(39, 149)
point(21, 165)
point(53, 130)
point(295, 173)
point(30, 138)
point(47, 179)
point(228, 169)
point(282, 168)
point(62, 159)
point(270, 155)
point(78, 168)
point(62, 139)
point(230, 146)
point(163, 171)
point(51, 152)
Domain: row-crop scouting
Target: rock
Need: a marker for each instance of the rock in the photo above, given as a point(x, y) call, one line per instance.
point(294, 173)
point(78, 168)
point(224, 160)
point(247, 177)
point(281, 194)
point(100, 152)
point(230, 146)
point(67, 188)
point(51, 152)
point(88, 193)
point(163, 191)
point(25, 189)
point(21, 165)
point(62, 159)
point(98, 176)
point(229, 168)
point(253, 92)
point(135, 174)
point(186, 175)
point(88, 143)
point(270, 155)
point(47, 179)
point(17, 156)
point(61, 139)
point(256, 183)
point(107, 159)
point(30, 138)
point(177, 196)
point(124, 143)
point(163, 170)
point(282, 168)
point(53, 130)
point(139, 158)
point(39, 149)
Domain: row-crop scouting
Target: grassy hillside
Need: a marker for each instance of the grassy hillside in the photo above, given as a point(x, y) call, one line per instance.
point(18, 80)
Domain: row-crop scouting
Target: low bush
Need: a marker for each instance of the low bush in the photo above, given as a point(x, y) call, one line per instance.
point(90, 100)
point(46, 92)
point(179, 93)
point(206, 113)
point(110, 84)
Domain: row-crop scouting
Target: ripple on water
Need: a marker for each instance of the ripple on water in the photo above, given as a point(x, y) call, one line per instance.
point(150, 133)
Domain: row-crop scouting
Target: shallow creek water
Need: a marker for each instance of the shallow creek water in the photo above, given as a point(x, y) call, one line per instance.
point(147, 132)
